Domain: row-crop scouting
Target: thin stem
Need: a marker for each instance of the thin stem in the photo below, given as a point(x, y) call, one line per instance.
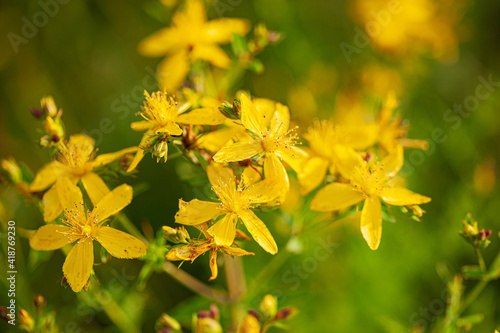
point(269, 270)
point(194, 284)
point(480, 259)
point(236, 285)
point(130, 227)
point(471, 297)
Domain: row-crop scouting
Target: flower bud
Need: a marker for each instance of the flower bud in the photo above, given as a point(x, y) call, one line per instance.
point(39, 301)
point(249, 324)
point(148, 141)
point(207, 325)
point(232, 111)
point(36, 112)
point(167, 323)
point(26, 320)
point(10, 165)
point(4, 313)
point(161, 150)
point(285, 313)
point(49, 106)
point(269, 306)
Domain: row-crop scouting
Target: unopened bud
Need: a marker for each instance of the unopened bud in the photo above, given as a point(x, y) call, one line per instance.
point(55, 138)
point(10, 165)
point(148, 141)
point(249, 324)
point(269, 306)
point(36, 112)
point(39, 301)
point(161, 150)
point(285, 313)
point(26, 320)
point(4, 313)
point(165, 322)
point(49, 106)
point(232, 111)
point(207, 325)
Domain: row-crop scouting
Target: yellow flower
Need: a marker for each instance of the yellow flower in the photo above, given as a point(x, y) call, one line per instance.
point(234, 203)
point(190, 38)
point(392, 132)
point(268, 123)
point(85, 227)
point(192, 251)
point(330, 144)
point(161, 114)
point(411, 27)
point(369, 184)
point(76, 160)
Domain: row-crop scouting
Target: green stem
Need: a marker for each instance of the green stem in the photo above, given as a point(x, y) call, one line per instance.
point(236, 285)
point(194, 284)
point(130, 227)
point(269, 270)
point(480, 259)
point(471, 297)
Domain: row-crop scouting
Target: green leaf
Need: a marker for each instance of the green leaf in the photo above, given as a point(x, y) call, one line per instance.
point(472, 272)
point(470, 320)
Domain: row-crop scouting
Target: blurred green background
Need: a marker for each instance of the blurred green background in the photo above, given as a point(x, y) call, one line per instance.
point(85, 57)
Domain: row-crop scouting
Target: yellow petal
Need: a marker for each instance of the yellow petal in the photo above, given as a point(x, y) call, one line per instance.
point(142, 125)
point(251, 175)
point(47, 175)
point(258, 230)
point(118, 243)
point(275, 171)
point(399, 196)
point(71, 198)
point(313, 173)
point(238, 151)
point(170, 128)
point(360, 137)
point(49, 237)
point(335, 196)
point(222, 31)
point(263, 191)
point(82, 146)
point(236, 251)
point(113, 202)
point(211, 53)
point(224, 230)
point(196, 212)
point(172, 71)
point(52, 207)
point(203, 116)
point(78, 264)
point(95, 187)
point(137, 159)
point(194, 13)
point(160, 42)
point(371, 222)
point(221, 177)
point(393, 162)
point(214, 141)
point(213, 265)
point(293, 156)
point(252, 119)
point(110, 157)
point(346, 159)
point(280, 120)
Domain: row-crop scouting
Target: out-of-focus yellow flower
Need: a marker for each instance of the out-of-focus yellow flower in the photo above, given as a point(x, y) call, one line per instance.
point(192, 251)
point(392, 131)
point(369, 183)
point(162, 115)
point(268, 124)
point(76, 160)
point(85, 227)
point(190, 38)
point(333, 145)
point(16, 176)
point(249, 324)
point(485, 176)
point(378, 80)
point(411, 27)
point(234, 203)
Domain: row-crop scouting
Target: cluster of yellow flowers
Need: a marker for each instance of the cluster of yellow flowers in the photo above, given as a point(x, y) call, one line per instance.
point(245, 144)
